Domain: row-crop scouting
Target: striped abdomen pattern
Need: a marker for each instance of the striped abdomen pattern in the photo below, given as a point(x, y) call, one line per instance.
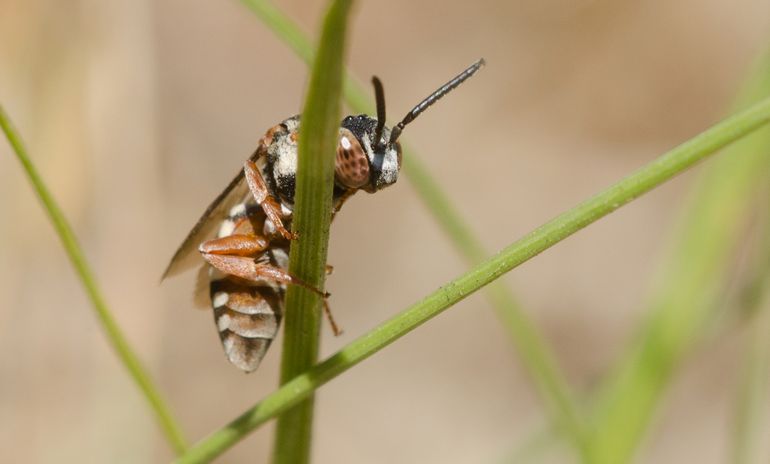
point(247, 313)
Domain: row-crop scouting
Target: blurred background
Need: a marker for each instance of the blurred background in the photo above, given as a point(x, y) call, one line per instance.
point(139, 113)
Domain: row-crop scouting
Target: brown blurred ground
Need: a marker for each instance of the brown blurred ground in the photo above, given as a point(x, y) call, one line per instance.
point(138, 113)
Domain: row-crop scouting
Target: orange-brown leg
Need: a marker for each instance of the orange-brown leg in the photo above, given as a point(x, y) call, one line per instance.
point(345, 197)
point(246, 268)
point(237, 244)
point(330, 318)
point(269, 204)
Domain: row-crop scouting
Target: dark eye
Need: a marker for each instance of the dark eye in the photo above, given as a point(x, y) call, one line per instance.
point(351, 165)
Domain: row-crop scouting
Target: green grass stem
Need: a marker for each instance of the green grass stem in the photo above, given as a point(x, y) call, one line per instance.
point(312, 215)
point(114, 335)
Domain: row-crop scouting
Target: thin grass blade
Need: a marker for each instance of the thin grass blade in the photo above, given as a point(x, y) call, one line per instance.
point(113, 333)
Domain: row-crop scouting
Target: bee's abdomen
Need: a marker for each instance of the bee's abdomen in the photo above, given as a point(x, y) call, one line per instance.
point(247, 318)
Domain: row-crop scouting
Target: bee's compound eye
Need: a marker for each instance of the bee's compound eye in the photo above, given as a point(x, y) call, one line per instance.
point(351, 165)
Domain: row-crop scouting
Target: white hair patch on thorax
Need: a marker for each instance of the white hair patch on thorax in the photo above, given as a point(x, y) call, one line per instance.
point(285, 164)
point(292, 124)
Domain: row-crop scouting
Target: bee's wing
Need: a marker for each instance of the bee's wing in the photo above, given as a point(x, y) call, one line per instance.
point(201, 295)
point(187, 255)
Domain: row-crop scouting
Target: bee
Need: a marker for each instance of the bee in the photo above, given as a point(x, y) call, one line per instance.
point(243, 238)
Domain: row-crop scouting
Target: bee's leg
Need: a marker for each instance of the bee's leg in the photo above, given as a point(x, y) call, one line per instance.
point(269, 204)
point(345, 197)
point(236, 245)
point(330, 318)
point(246, 268)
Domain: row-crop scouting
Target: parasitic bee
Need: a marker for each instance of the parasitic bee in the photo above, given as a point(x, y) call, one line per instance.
point(244, 236)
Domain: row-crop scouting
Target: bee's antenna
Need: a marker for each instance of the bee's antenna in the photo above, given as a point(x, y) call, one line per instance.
point(379, 95)
point(434, 97)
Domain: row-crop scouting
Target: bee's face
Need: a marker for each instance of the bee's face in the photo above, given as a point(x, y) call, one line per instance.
point(360, 162)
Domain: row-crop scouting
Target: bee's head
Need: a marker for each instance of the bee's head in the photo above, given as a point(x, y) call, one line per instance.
point(362, 162)
point(368, 153)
